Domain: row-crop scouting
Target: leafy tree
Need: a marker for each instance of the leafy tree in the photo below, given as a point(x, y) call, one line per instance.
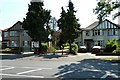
point(69, 25)
point(105, 7)
point(35, 21)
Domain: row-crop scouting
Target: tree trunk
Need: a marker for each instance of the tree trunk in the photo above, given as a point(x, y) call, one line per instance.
point(62, 49)
point(40, 47)
point(70, 50)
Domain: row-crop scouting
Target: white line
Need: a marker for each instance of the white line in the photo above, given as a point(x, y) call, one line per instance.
point(26, 67)
point(34, 67)
point(109, 74)
point(29, 71)
point(7, 68)
point(22, 75)
point(63, 74)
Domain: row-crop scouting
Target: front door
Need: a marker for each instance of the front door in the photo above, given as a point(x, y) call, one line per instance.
point(88, 45)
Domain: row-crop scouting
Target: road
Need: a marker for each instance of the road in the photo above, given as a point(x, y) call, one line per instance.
point(83, 66)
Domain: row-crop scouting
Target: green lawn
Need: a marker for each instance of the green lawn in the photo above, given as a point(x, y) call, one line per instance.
point(110, 59)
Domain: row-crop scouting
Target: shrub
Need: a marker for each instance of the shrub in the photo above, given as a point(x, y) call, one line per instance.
point(111, 45)
point(57, 48)
point(44, 48)
point(74, 49)
point(116, 51)
point(51, 49)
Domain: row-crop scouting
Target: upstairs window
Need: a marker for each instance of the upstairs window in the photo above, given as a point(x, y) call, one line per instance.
point(25, 33)
point(13, 33)
point(112, 32)
point(5, 34)
point(87, 33)
point(97, 32)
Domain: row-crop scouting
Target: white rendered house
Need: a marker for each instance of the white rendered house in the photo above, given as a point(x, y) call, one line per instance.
point(97, 34)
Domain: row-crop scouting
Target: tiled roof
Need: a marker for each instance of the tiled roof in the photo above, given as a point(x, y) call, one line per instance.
point(12, 26)
point(91, 26)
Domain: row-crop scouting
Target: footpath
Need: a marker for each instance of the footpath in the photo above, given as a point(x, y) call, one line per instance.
point(52, 57)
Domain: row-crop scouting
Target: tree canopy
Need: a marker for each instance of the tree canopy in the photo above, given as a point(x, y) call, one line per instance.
point(36, 22)
point(105, 7)
point(68, 24)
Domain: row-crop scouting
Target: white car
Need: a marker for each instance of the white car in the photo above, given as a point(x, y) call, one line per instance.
point(97, 47)
point(82, 49)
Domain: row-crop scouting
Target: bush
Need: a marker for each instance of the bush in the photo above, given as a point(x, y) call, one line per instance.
point(116, 51)
point(44, 48)
point(57, 48)
point(11, 50)
point(51, 49)
point(74, 49)
point(111, 45)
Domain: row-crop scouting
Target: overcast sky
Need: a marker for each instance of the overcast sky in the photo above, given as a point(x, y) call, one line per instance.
point(12, 11)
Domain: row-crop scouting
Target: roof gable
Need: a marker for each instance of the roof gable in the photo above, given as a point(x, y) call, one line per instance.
point(106, 24)
point(102, 25)
point(16, 26)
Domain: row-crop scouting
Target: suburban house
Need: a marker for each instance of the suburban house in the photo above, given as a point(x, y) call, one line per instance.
point(0, 39)
point(97, 34)
point(16, 37)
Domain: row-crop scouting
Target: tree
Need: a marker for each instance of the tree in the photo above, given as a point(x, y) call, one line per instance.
point(105, 7)
point(35, 21)
point(69, 25)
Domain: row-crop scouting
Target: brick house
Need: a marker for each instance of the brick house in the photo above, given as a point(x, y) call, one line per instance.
point(16, 37)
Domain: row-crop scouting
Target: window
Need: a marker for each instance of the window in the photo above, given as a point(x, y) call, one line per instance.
point(98, 32)
point(101, 32)
point(13, 33)
point(0, 34)
point(93, 32)
point(112, 32)
point(14, 44)
point(25, 33)
point(5, 34)
point(87, 33)
point(98, 43)
point(116, 31)
point(26, 43)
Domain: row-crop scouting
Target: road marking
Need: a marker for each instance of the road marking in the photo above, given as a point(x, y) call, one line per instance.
point(22, 75)
point(27, 67)
point(109, 74)
point(63, 74)
point(32, 70)
point(29, 71)
point(7, 68)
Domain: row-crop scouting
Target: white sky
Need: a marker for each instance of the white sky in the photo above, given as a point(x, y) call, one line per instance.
point(12, 11)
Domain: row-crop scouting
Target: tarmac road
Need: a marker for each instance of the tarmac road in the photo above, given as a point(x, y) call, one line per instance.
point(82, 66)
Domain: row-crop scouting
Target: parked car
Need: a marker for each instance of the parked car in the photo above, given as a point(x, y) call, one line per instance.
point(96, 49)
point(82, 49)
